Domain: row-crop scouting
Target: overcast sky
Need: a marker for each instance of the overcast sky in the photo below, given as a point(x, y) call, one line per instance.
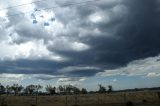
point(105, 42)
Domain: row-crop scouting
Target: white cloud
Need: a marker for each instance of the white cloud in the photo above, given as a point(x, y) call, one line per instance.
point(16, 78)
point(11, 77)
point(70, 81)
point(29, 50)
point(96, 17)
point(23, 8)
point(2, 13)
point(115, 80)
point(153, 74)
point(64, 44)
point(149, 67)
point(78, 46)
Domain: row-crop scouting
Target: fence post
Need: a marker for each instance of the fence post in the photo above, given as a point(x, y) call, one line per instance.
point(158, 93)
point(76, 100)
point(66, 101)
point(36, 100)
point(98, 99)
point(124, 97)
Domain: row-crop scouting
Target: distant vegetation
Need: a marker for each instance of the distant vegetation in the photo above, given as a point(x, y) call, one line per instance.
point(32, 90)
point(17, 89)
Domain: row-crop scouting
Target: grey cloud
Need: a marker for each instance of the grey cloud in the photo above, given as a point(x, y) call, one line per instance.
point(79, 70)
point(135, 35)
point(31, 31)
point(50, 68)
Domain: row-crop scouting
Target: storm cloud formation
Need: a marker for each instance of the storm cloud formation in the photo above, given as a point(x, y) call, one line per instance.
point(83, 40)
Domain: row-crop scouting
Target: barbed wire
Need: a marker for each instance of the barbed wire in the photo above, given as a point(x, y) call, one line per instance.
point(49, 8)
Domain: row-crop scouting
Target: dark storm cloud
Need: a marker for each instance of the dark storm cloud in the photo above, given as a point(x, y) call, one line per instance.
point(31, 67)
point(46, 67)
point(136, 36)
point(140, 31)
point(83, 73)
point(79, 71)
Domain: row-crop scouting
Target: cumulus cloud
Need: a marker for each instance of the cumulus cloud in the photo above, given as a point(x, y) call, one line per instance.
point(11, 78)
point(63, 44)
point(71, 81)
point(148, 67)
point(60, 80)
point(29, 50)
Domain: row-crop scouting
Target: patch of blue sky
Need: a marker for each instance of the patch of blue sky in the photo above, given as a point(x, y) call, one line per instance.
point(35, 21)
point(33, 16)
point(46, 24)
point(53, 19)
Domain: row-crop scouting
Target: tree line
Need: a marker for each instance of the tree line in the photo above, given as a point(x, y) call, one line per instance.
point(17, 89)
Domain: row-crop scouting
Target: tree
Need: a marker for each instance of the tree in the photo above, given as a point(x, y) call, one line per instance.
point(8, 89)
point(102, 89)
point(30, 89)
point(84, 91)
point(51, 90)
point(68, 89)
point(61, 89)
point(75, 90)
point(37, 88)
point(110, 88)
point(16, 88)
point(2, 89)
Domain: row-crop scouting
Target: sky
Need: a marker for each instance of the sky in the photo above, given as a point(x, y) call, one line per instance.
point(91, 42)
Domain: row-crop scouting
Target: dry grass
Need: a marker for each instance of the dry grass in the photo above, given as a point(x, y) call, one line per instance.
point(115, 99)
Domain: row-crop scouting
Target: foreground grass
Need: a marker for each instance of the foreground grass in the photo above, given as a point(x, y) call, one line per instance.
point(145, 98)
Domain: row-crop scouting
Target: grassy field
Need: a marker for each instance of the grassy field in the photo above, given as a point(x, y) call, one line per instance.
point(145, 98)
